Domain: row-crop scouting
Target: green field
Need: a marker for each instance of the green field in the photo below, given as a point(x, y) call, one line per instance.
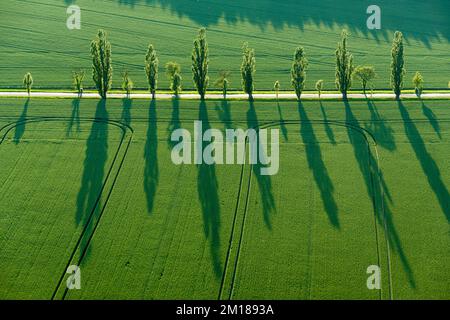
point(35, 38)
point(91, 183)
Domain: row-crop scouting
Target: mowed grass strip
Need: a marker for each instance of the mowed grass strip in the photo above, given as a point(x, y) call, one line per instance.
point(45, 206)
point(274, 29)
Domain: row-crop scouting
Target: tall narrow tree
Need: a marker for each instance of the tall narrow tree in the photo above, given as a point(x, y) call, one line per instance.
point(151, 69)
point(397, 64)
point(101, 63)
point(248, 68)
point(200, 63)
point(344, 66)
point(298, 71)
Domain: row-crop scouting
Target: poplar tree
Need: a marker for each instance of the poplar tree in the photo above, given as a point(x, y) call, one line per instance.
point(248, 70)
point(151, 69)
point(397, 64)
point(298, 71)
point(101, 63)
point(344, 66)
point(200, 63)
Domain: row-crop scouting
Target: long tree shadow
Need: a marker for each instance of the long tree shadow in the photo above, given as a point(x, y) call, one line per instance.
point(264, 181)
point(93, 172)
point(175, 122)
point(427, 112)
point(284, 130)
point(224, 113)
point(126, 111)
point(328, 129)
point(317, 166)
point(376, 189)
point(151, 170)
point(327, 13)
point(207, 186)
point(427, 163)
point(74, 120)
point(20, 123)
point(378, 127)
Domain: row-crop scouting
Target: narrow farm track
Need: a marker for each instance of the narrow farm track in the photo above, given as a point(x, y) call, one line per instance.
point(378, 208)
point(127, 133)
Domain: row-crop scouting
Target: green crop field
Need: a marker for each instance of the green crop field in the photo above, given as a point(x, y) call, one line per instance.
point(35, 38)
point(91, 183)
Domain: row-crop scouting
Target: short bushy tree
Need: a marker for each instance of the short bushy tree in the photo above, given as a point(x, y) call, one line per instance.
point(248, 68)
point(418, 83)
point(101, 63)
point(365, 74)
point(397, 64)
point(276, 88)
point(200, 63)
point(298, 71)
point(78, 77)
point(127, 83)
point(173, 69)
point(28, 82)
point(319, 87)
point(223, 82)
point(176, 83)
point(151, 69)
point(344, 66)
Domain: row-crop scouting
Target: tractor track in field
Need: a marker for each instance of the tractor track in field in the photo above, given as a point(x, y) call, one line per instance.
point(125, 130)
point(366, 134)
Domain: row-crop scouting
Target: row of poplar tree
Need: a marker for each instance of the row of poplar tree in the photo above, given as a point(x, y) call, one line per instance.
point(345, 70)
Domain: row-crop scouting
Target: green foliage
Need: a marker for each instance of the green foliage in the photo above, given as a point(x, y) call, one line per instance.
point(248, 68)
point(173, 70)
point(418, 83)
point(101, 63)
point(200, 63)
point(397, 64)
point(298, 71)
point(78, 77)
point(176, 83)
point(365, 74)
point(276, 87)
point(344, 66)
point(223, 82)
point(319, 87)
point(28, 82)
point(151, 69)
point(127, 83)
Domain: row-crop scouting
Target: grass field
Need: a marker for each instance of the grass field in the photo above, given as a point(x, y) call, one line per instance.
point(35, 38)
point(91, 183)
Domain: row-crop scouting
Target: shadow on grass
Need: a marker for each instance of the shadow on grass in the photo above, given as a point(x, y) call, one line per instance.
point(396, 15)
point(264, 181)
point(379, 128)
point(427, 112)
point(427, 163)
point(151, 170)
point(93, 172)
point(209, 198)
point(224, 113)
point(284, 130)
point(126, 111)
point(377, 190)
point(317, 166)
point(328, 129)
point(20, 123)
point(74, 118)
point(175, 122)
